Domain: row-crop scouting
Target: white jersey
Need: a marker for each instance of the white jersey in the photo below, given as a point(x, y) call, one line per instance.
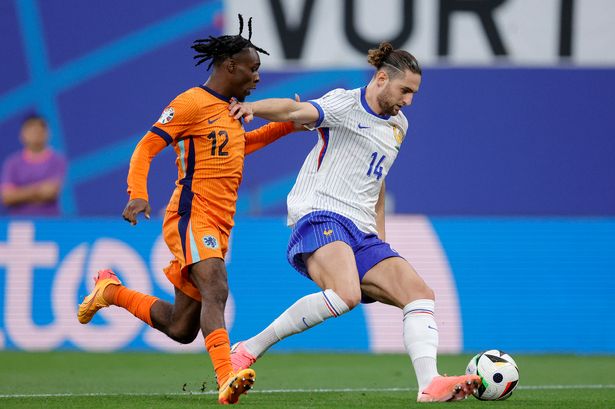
point(344, 172)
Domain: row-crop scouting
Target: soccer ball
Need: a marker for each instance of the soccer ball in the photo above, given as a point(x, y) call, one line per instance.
point(498, 372)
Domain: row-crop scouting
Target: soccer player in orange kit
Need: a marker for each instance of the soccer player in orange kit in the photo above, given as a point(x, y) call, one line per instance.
point(210, 147)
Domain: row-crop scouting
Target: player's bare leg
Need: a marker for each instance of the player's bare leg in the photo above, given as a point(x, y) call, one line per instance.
point(210, 278)
point(333, 269)
point(179, 321)
point(333, 266)
point(393, 281)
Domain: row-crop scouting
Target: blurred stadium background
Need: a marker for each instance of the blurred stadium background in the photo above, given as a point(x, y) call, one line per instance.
point(503, 196)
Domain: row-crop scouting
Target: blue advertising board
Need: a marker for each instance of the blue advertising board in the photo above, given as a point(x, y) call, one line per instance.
point(513, 284)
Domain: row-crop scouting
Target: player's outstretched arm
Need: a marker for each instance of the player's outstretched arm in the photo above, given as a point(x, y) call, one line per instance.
point(266, 134)
point(148, 147)
point(275, 109)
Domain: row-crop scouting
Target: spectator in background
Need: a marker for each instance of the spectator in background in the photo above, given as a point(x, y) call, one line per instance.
point(32, 178)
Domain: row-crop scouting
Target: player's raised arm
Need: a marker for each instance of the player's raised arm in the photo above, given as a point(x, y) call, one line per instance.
point(276, 109)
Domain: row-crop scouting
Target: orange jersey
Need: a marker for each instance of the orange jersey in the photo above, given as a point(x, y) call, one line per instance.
point(210, 147)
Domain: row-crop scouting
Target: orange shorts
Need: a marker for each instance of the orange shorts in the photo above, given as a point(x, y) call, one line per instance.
point(190, 240)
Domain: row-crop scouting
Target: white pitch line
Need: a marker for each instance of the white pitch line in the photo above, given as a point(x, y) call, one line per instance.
point(265, 391)
point(546, 387)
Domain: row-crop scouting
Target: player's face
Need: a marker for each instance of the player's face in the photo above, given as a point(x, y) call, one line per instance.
point(34, 135)
point(246, 75)
point(398, 92)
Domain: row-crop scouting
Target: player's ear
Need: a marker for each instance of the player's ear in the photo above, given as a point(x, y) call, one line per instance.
point(382, 77)
point(231, 64)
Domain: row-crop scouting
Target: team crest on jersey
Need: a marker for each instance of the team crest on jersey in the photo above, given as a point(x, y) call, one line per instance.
point(167, 115)
point(210, 241)
point(399, 136)
point(328, 232)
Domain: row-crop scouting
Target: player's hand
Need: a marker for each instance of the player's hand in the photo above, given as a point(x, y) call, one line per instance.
point(241, 110)
point(133, 208)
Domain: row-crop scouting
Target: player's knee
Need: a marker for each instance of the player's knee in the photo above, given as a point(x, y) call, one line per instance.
point(183, 335)
point(350, 297)
point(417, 290)
point(211, 280)
point(217, 292)
point(424, 292)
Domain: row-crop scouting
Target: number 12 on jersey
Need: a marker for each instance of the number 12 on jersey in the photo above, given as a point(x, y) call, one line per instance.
point(214, 143)
point(377, 170)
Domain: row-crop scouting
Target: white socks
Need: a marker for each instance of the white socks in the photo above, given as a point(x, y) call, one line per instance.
point(421, 339)
point(305, 313)
point(420, 329)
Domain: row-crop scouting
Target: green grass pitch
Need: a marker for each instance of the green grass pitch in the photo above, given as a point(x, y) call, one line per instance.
point(150, 380)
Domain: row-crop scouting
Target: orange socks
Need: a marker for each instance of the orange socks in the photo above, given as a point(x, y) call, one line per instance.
point(137, 303)
point(219, 347)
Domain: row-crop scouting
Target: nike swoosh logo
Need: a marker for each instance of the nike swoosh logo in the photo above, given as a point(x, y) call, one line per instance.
point(429, 326)
point(305, 322)
point(363, 127)
point(211, 121)
point(85, 308)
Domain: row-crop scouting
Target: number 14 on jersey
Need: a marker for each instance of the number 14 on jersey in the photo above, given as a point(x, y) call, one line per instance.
point(376, 170)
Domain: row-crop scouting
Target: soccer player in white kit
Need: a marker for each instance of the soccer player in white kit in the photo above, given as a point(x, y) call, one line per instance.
point(336, 211)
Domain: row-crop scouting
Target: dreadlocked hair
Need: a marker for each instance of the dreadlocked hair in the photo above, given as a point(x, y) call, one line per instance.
point(220, 48)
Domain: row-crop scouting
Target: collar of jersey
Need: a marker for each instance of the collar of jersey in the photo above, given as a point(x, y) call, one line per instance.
point(368, 109)
point(215, 94)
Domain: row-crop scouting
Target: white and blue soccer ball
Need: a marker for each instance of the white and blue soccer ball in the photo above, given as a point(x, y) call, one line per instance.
point(498, 372)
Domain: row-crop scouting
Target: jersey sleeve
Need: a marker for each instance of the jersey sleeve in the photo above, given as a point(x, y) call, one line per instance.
point(332, 107)
point(177, 118)
point(263, 136)
point(148, 147)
